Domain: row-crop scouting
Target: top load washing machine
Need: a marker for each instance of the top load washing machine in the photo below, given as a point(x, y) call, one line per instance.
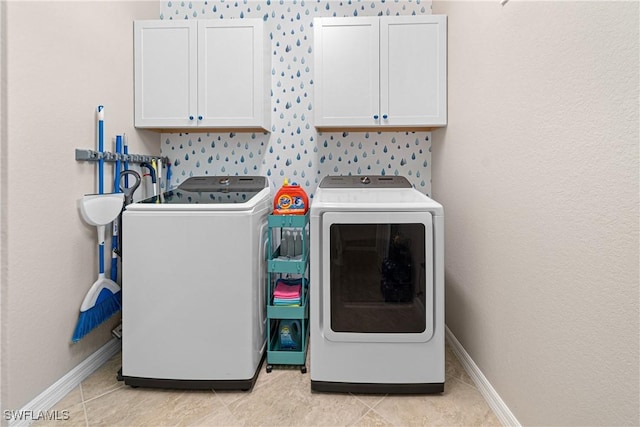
point(193, 280)
point(376, 288)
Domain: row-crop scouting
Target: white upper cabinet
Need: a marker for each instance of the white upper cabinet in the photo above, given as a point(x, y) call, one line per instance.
point(166, 79)
point(207, 74)
point(347, 71)
point(377, 72)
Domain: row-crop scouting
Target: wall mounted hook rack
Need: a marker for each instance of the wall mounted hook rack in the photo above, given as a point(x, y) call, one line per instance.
point(94, 156)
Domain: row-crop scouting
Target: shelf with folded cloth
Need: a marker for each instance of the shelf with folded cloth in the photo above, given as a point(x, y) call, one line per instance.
point(287, 292)
point(286, 309)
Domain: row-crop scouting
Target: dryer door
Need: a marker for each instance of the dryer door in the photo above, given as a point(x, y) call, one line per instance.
point(377, 276)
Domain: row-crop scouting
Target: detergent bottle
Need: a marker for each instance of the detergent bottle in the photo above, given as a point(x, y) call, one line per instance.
point(291, 199)
point(289, 334)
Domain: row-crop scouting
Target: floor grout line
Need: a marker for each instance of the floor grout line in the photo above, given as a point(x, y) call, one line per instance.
point(366, 404)
point(361, 417)
point(118, 387)
point(472, 386)
point(84, 407)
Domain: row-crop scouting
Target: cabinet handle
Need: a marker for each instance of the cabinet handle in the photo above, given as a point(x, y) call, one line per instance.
point(375, 117)
point(384, 116)
point(190, 117)
point(200, 117)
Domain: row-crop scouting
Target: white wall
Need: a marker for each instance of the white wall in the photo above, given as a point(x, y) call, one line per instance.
point(538, 173)
point(63, 59)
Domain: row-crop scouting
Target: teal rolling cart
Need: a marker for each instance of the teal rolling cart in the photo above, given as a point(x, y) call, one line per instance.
point(288, 263)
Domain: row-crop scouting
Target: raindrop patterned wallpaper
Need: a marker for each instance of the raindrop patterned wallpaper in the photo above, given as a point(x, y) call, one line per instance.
point(294, 149)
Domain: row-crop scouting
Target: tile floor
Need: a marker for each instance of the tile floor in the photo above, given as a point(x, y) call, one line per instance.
point(280, 398)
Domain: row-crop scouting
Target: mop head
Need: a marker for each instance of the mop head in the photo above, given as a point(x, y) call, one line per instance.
point(106, 305)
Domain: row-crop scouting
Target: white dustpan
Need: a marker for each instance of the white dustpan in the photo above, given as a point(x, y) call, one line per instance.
point(103, 298)
point(101, 209)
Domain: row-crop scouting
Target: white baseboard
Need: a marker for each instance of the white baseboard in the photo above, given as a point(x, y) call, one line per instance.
point(57, 391)
point(485, 388)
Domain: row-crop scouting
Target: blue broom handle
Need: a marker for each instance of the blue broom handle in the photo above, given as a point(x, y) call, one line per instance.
point(116, 183)
point(101, 257)
point(101, 150)
point(126, 162)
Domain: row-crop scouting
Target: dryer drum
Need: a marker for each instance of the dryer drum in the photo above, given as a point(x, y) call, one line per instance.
point(397, 273)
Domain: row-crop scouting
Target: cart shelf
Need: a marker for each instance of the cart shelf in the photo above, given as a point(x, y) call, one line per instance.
point(288, 311)
point(284, 265)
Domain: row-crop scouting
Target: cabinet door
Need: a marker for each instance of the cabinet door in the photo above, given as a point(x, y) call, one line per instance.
point(231, 86)
point(165, 73)
point(413, 70)
point(347, 72)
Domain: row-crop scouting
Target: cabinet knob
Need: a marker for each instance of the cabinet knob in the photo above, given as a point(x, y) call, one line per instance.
point(200, 117)
point(190, 117)
point(375, 117)
point(384, 116)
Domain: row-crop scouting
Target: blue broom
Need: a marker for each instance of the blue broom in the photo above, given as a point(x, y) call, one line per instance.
point(104, 298)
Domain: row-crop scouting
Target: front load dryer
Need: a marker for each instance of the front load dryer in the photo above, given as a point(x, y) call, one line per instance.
point(193, 278)
point(377, 287)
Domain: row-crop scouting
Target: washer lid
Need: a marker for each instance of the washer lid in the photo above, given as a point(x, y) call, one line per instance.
point(224, 183)
point(213, 190)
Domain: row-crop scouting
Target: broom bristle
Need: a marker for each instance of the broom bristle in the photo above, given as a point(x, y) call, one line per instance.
point(98, 314)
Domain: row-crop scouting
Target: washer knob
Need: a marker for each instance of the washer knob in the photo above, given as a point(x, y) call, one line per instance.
point(365, 180)
point(224, 181)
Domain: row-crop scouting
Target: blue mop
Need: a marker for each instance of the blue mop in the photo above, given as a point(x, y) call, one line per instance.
point(104, 298)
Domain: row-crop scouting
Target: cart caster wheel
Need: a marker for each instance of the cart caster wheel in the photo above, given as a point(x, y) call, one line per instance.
point(269, 369)
point(303, 369)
